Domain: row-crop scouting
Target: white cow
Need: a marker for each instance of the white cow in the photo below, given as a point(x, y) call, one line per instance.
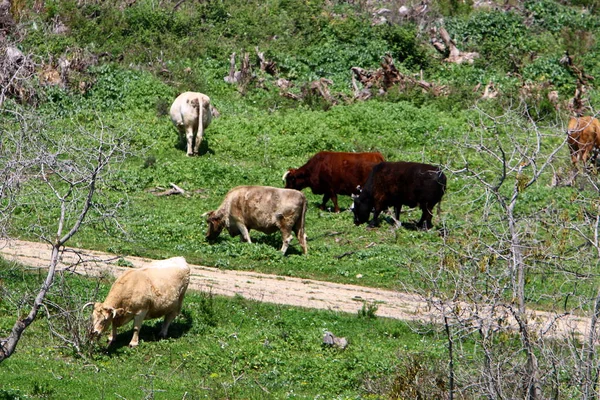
point(188, 109)
point(145, 293)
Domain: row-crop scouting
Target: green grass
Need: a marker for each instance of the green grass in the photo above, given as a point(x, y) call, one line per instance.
point(136, 60)
point(220, 347)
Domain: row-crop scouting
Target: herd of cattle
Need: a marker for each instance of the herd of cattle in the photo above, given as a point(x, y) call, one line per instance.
point(374, 184)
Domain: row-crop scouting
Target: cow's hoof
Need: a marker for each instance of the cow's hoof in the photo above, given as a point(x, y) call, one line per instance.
point(133, 345)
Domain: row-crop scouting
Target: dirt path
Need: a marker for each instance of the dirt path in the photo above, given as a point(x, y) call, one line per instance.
point(282, 290)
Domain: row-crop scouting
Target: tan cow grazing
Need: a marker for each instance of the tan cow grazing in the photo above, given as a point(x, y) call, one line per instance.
point(583, 137)
point(145, 293)
point(188, 109)
point(264, 208)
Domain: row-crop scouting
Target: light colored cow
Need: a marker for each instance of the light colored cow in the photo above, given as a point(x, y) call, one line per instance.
point(145, 293)
point(188, 109)
point(263, 208)
point(583, 137)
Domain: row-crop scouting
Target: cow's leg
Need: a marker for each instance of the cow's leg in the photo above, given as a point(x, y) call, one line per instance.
point(189, 135)
point(165, 326)
point(244, 232)
point(286, 234)
point(425, 221)
point(336, 208)
point(199, 136)
point(137, 325)
point(113, 334)
point(326, 197)
point(375, 221)
point(397, 210)
point(301, 239)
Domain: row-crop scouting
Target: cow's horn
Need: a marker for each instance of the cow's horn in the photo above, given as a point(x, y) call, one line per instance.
point(205, 214)
point(358, 188)
point(285, 175)
point(87, 304)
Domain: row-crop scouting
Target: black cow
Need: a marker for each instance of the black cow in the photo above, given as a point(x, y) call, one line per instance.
point(394, 184)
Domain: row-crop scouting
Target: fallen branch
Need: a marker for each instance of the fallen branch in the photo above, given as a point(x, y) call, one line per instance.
point(448, 48)
point(348, 253)
point(174, 190)
point(387, 77)
point(270, 67)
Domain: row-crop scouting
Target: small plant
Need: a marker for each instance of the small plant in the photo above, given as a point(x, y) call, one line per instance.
point(368, 310)
point(207, 311)
point(124, 263)
point(150, 161)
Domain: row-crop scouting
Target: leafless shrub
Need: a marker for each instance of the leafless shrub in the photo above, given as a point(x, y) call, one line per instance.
point(66, 174)
point(17, 71)
point(65, 317)
point(417, 376)
point(482, 288)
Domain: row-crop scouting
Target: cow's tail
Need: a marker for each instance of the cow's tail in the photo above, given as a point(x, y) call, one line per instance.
point(301, 233)
point(200, 133)
point(441, 180)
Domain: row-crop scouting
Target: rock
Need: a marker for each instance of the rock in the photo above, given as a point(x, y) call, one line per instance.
point(329, 339)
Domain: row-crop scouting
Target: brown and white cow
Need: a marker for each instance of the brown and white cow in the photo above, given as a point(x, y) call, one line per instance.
point(191, 114)
point(145, 293)
point(263, 208)
point(331, 173)
point(583, 138)
point(394, 184)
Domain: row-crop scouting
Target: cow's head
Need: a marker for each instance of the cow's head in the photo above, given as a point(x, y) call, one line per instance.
point(361, 208)
point(216, 223)
point(294, 179)
point(102, 317)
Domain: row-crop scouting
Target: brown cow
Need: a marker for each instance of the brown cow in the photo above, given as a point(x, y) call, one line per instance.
point(145, 293)
point(394, 184)
point(331, 173)
point(264, 208)
point(583, 137)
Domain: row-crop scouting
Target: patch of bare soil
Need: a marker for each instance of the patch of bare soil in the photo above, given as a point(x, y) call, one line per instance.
point(305, 292)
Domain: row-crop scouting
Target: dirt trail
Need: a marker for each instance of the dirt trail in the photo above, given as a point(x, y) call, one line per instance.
point(279, 289)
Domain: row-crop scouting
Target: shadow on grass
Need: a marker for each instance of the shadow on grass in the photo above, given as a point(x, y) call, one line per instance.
point(204, 147)
point(150, 331)
point(276, 242)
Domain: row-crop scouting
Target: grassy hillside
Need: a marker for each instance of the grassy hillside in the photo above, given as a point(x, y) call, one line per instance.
point(126, 64)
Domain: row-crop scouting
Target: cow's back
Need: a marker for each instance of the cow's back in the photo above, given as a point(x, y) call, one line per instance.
point(341, 171)
point(408, 183)
point(258, 207)
point(158, 287)
point(182, 112)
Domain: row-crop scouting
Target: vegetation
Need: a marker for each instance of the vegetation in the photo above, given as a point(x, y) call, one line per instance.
point(512, 231)
point(219, 348)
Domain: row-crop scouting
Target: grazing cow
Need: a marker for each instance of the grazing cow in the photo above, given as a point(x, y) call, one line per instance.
point(266, 209)
point(583, 137)
point(331, 173)
point(188, 109)
point(397, 184)
point(145, 293)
